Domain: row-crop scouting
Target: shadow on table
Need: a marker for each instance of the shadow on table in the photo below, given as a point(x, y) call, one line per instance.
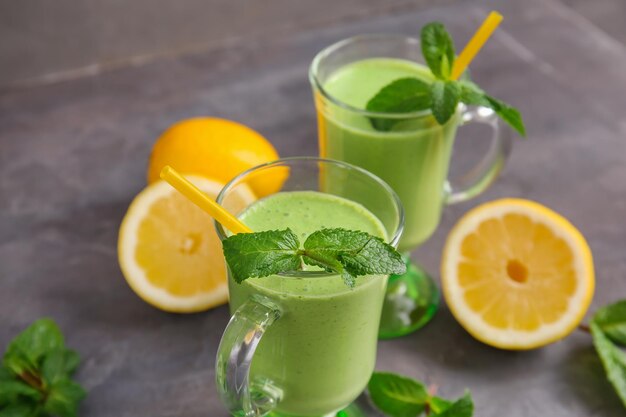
point(445, 342)
point(584, 376)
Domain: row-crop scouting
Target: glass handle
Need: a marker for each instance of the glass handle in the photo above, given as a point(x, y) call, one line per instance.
point(241, 396)
point(479, 178)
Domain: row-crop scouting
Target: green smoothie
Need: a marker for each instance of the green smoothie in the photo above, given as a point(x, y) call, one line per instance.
point(321, 351)
point(412, 158)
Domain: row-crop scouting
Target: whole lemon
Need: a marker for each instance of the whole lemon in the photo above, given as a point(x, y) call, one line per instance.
point(214, 148)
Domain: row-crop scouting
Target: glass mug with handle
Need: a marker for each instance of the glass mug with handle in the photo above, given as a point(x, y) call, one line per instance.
point(303, 344)
point(412, 154)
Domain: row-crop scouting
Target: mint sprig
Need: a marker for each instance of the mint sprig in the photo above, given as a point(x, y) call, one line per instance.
point(348, 253)
point(608, 328)
point(613, 359)
point(442, 96)
point(399, 396)
point(35, 375)
point(611, 320)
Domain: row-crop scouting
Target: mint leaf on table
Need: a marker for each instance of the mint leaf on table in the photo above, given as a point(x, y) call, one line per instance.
point(438, 49)
point(20, 410)
point(59, 363)
point(445, 98)
point(35, 376)
point(397, 396)
point(349, 253)
point(438, 405)
point(63, 398)
point(27, 349)
point(12, 389)
point(613, 359)
point(463, 407)
point(611, 320)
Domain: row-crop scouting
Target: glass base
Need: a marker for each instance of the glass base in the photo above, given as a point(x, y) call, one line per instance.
point(411, 301)
point(361, 407)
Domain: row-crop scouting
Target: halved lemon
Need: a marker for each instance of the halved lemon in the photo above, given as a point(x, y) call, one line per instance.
point(169, 251)
point(517, 275)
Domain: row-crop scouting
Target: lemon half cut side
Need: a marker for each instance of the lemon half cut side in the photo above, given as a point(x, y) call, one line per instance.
point(169, 251)
point(517, 275)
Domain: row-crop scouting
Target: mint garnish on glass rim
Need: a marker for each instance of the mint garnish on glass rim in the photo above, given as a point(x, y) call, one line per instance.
point(442, 96)
point(348, 253)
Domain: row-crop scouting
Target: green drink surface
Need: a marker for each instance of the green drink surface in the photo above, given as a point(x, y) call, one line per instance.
point(370, 75)
point(412, 158)
point(321, 351)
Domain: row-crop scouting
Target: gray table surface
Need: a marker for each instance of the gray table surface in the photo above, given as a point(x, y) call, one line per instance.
point(73, 154)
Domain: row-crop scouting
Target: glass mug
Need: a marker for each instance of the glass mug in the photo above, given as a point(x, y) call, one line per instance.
point(296, 350)
point(413, 157)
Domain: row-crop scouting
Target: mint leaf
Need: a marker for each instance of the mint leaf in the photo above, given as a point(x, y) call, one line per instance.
point(20, 410)
point(472, 94)
point(613, 359)
point(463, 407)
point(509, 114)
point(438, 49)
point(396, 395)
point(352, 253)
point(27, 349)
point(346, 252)
point(13, 390)
point(58, 364)
point(445, 96)
point(63, 398)
point(253, 255)
point(439, 405)
point(611, 320)
point(36, 372)
point(403, 95)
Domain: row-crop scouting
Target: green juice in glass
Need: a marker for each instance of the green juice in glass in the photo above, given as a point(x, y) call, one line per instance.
point(322, 350)
point(412, 158)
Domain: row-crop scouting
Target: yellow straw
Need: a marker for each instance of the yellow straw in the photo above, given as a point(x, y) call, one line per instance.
point(473, 46)
point(200, 199)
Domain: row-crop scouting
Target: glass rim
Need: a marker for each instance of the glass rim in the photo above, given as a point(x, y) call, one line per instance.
point(317, 85)
point(393, 240)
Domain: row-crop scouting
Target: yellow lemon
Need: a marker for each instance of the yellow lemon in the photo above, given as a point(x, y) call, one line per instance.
point(517, 275)
point(168, 249)
point(214, 148)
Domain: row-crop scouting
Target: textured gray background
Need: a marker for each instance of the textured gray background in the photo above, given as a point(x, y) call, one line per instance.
point(73, 154)
point(50, 40)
